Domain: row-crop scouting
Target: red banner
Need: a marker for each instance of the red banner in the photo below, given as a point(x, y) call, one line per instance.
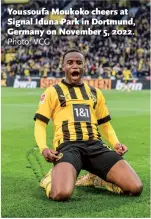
point(98, 83)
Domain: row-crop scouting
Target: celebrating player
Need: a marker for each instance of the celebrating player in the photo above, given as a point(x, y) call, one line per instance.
point(77, 110)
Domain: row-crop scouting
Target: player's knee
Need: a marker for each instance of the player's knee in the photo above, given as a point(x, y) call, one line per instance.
point(61, 195)
point(134, 189)
point(137, 189)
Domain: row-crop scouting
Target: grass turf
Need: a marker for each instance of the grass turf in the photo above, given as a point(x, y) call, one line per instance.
point(21, 194)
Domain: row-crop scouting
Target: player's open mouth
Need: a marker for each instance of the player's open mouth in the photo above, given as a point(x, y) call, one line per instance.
point(75, 75)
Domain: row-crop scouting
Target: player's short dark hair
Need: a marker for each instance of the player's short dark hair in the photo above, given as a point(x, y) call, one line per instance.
point(72, 50)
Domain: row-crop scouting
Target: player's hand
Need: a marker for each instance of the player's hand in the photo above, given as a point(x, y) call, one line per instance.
point(121, 149)
point(50, 155)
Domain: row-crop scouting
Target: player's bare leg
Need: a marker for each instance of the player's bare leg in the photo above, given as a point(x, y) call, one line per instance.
point(59, 182)
point(125, 177)
point(63, 181)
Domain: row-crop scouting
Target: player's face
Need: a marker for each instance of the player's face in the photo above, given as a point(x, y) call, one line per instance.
point(74, 67)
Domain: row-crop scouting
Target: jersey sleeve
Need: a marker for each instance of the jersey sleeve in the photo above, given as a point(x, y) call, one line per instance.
point(46, 106)
point(102, 112)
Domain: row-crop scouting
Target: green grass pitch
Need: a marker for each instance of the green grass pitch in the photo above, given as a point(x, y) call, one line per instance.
point(21, 195)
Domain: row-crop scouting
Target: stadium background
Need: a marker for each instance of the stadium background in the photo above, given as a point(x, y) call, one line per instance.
point(106, 57)
point(40, 66)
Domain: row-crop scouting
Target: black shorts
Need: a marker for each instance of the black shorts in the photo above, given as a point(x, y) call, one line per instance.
point(93, 156)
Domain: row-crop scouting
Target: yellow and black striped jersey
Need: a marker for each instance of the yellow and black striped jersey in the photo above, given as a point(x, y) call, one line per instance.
point(76, 111)
point(126, 74)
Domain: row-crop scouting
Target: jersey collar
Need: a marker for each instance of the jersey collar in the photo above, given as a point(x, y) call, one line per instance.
point(71, 85)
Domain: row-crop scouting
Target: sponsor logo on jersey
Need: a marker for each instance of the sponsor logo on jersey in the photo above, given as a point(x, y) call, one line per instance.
point(92, 97)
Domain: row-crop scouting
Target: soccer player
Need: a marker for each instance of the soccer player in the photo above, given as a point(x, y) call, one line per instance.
point(77, 110)
point(126, 76)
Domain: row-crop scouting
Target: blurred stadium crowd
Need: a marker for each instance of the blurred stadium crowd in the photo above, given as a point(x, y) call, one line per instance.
point(105, 56)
